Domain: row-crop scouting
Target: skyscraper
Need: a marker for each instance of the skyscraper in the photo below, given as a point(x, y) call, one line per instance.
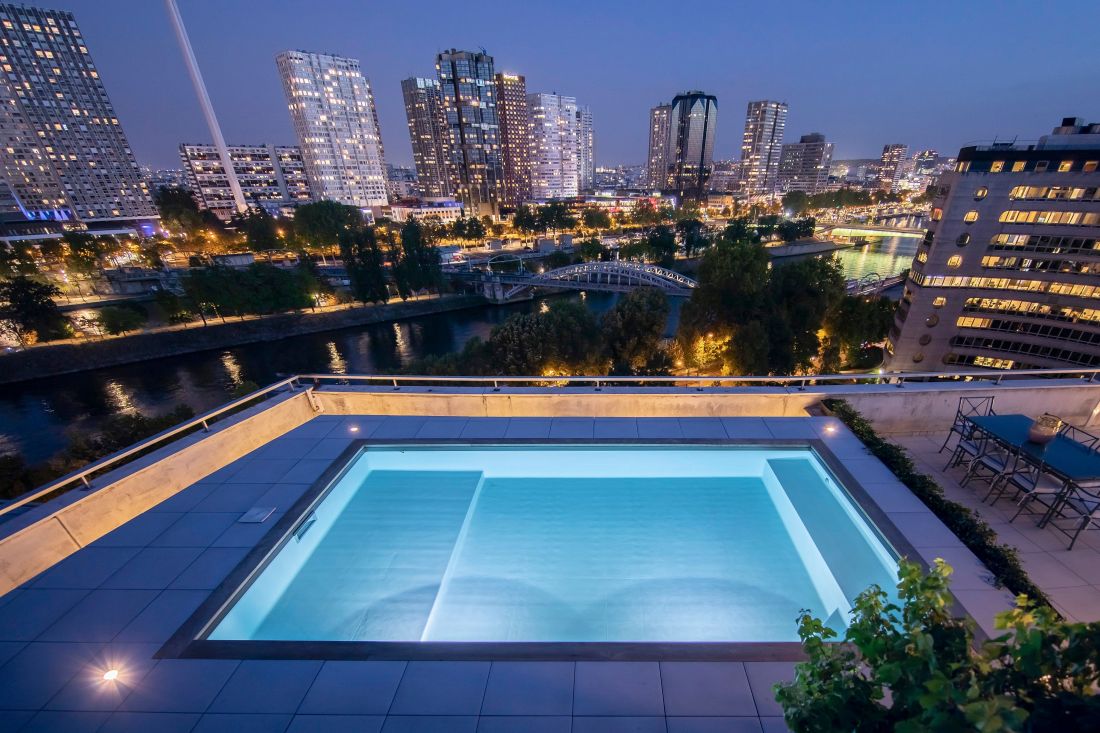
point(424, 110)
point(692, 123)
point(64, 155)
point(586, 164)
point(332, 107)
point(765, 123)
point(270, 176)
point(472, 134)
point(515, 136)
point(657, 166)
point(1006, 276)
point(804, 165)
point(554, 147)
point(890, 166)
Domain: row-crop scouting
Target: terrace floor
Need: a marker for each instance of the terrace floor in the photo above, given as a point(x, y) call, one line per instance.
point(113, 604)
point(1070, 578)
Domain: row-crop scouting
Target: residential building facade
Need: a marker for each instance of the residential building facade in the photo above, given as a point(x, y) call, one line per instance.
point(270, 176)
point(891, 166)
point(555, 172)
point(804, 165)
point(586, 148)
point(657, 167)
point(693, 121)
point(761, 146)
point(515, 137)
point(427, 133)
point(472, 130)
point(335, 120)
point(65, 156)
point(1008, 276)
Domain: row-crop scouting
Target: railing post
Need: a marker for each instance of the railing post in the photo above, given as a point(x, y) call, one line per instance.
point(205, 427)
point(84, 478)
point(496, 386)
point(395, 385)
point(901, 382)
point(802, 386)
point(597, 385)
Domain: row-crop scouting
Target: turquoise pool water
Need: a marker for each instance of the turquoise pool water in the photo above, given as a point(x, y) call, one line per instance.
point(566, 544)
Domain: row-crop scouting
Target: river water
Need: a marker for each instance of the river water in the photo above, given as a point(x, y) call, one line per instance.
point(36, 416)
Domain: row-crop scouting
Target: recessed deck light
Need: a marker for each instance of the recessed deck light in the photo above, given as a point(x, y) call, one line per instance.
point(110, 675)
point(830, 428)
point(354, 428)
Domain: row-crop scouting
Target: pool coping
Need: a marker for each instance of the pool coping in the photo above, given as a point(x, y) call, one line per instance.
point(188, 641)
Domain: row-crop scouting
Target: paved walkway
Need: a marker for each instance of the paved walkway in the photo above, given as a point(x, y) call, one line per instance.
point(1070, 578)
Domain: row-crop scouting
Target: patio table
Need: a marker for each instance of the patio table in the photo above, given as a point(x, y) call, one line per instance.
point(1062, 456)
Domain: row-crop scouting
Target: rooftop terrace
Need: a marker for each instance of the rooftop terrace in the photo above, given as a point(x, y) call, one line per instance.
point(102, 578)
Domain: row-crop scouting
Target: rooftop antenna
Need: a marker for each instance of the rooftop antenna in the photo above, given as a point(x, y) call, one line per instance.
point(207, 107)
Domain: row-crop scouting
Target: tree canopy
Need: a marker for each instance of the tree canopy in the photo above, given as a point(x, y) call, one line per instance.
point(28, 312)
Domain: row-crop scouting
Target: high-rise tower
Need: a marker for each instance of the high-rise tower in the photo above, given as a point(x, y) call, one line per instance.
point(515, 136)
point(761, 146)
point(424, 110)
point(657, 163)
point(586, 164)
point(693, 120)
point(554, 148)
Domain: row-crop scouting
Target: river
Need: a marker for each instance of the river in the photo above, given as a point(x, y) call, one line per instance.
point(883, 255)
point(35, 416)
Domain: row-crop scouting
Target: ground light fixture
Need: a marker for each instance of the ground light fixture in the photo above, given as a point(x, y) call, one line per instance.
point(110, 675)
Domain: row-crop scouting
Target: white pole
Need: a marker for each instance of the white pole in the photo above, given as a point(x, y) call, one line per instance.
point(207, 107)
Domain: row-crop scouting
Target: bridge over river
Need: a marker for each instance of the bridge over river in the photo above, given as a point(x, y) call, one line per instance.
point(616, 277)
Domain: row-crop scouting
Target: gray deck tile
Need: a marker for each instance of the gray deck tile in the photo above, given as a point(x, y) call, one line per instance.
point(659, 427)
point(234, 498)
point(924, 529)
point(31, 611)
point(893, 496)
point(442, 427)
point(430, 724)
point(153, 568)
point(15, 719)
point(745, 427)
point(1048, 572)
point(357, 427)
point(195, 529)
point(869, 470)
point(528, 427)
point(703, 428)
point(317, 428)
point(336, 724)
point(247, 535)
point(485, 427)
point(35, 674)
point(266, 686)
point(398, 426)
point(127, 722)
point(161, 618)
point(353, 688)
point(186, 499)
point(615, 427)
point(262, 471)
point(329, 448)
point(524, 724)
point(209, 569)
point(87, 568)
point(286, 447)
point(572, 427)
point(1081, 603)
point(969, 573)
point(55, 721)
point(441, 688)
point(140, 531)
point(618, 688)
point(284, 496)
point(619, 725)
point(87, 690)
point(762, 677)
point(223, 473)
point(529, 688)
point(790, 427)
point(706, 689)
point(180, 686)
point(242, 723)
point(714, 725)
point(99, 616)
point(306, 471)
point(1084, 561)
point(9, 649)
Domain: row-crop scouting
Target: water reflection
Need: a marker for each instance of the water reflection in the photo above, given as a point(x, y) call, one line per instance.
point(336, 363)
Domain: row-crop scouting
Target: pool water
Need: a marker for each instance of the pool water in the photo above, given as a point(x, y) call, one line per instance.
point(566, 544)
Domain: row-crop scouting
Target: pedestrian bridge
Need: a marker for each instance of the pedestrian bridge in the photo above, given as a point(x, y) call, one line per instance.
point(615, 277)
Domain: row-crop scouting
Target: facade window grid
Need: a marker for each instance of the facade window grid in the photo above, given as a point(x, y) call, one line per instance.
point(1076, 358)
point(1029, 309)
point(1039, 330)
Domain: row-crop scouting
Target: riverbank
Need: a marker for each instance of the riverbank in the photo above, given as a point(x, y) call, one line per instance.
point(50, 360)
point(804, 247)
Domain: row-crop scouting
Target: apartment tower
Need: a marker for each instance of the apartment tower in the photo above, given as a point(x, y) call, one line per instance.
point(424, 111)
point(515, 137)
point(657, 164)
point(555, 172)
point(692, 123)
point(804, 165)
point(761, 146)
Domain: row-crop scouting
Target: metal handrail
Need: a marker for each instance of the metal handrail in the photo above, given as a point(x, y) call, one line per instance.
point(396, 381)
point(82, 474)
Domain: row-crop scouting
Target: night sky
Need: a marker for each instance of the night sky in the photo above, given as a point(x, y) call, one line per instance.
point(933, 74)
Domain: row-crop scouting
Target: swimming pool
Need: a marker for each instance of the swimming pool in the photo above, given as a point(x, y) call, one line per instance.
point(564, 543)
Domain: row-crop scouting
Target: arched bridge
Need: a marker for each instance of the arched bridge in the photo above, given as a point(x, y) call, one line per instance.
point(616, 277)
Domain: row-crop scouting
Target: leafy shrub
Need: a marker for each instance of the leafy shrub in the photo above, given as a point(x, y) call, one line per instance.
point(913, 668)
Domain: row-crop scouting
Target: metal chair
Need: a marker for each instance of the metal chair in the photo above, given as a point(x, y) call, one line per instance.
point(968, 448)
point(1078, 435)
point(968, 407)
point(992, 463)
point(1079, 508)
point(1029, 479)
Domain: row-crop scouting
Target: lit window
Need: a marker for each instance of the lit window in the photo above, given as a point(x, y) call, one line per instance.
point(1090, 166)
point(1018, 166)
point(1065, 166)
point(939, 302)
point(997, 166)
point(963, 240)
point(981, 193)
point(937, 214)
point(954, 261)
point(963, 166)
point(971, 216)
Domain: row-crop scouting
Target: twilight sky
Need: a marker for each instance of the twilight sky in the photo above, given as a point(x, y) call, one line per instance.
point(934, 74)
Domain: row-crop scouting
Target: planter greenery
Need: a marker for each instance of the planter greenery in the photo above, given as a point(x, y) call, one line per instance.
point(1001, 560)
point(913, 667)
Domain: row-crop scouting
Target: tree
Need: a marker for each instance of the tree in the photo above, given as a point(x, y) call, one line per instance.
point(17, 259)
point(790, 230)
point(258, 227)
point(555, 215)
point(767, 224)
point(661, 246)
point(470, 229)
point(632, 330)
point(85, 252)
point(596, 218)
point(322, 223)
point(796, 202)
point(418, 262)
point(120, 319)
point(857, 322)
point(645, 213)
point(28, 312)
point(691, 234)
point(525, 219)
point(590, 250)
point(364, 261)
point(178, 210)
point(563, 340)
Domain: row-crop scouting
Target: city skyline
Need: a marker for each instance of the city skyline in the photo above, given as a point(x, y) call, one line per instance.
point(156, 103)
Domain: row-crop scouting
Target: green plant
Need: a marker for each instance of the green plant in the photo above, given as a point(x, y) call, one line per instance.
point(913, 667)
point(1001, 560)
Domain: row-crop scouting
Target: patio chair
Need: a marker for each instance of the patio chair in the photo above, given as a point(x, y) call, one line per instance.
point(1079, 508)
point(992, 463)
point(1029, 479)
point(970, 445)
point(968, 407)
point(1078, 435)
